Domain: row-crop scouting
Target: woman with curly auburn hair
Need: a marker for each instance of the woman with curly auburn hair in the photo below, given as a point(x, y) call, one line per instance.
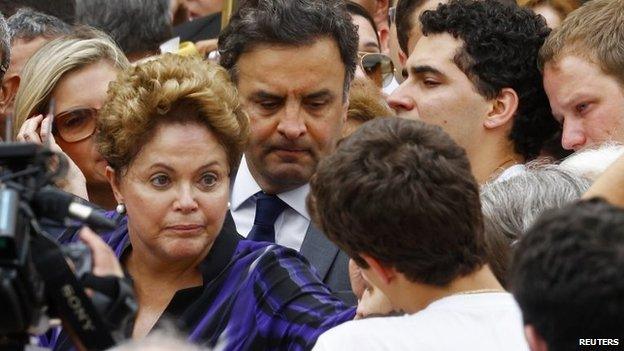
point(172, 131)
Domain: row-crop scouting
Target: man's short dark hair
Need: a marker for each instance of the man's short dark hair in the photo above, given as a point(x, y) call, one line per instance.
point(568, 274)
point(401, 191)
point(405, 11)
point(28, 24)
point(501, 45)
point(65, 10)
point(358, 10)
point(289, 23)
point(138, 26)
point(5, 47)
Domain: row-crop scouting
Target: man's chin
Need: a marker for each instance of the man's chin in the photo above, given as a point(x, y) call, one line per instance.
point(288, 175)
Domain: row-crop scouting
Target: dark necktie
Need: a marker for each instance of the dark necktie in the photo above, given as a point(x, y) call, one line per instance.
point(268, 208)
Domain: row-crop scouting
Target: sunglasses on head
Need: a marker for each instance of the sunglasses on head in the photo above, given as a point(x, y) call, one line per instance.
point(75, 124)
point(378, 67)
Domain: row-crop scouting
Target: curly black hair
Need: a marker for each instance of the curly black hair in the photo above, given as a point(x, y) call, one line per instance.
point(568, 277)
point(501, 45)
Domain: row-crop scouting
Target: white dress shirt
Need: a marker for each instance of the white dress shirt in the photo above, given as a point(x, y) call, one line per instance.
point(290, 226)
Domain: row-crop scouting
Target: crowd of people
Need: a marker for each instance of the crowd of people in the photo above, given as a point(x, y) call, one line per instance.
point(332, 174)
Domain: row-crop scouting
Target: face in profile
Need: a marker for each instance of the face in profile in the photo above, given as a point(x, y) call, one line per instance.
point(175, 191)
point(77, 93)
point(438, 92)
point(587, 102)
point(294, 97)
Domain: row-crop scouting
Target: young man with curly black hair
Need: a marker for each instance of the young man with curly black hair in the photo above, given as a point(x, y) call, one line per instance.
point(474, 73)
point(399, 198)
point(568, 279)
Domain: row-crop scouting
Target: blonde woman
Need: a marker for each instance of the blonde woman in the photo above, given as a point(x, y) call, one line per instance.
point(74, 71)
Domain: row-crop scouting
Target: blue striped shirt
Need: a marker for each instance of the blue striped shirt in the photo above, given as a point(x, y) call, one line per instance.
point(255, 296)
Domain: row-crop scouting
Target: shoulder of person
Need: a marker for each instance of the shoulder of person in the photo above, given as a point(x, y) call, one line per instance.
point(364, 334)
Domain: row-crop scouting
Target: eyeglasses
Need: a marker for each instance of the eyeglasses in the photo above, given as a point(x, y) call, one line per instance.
point(75, 124)
point(378, 67)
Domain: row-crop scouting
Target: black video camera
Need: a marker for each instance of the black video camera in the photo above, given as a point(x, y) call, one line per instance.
point(36, 281)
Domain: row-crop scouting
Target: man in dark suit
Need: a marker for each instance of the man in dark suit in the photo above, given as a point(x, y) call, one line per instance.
point(292, 62)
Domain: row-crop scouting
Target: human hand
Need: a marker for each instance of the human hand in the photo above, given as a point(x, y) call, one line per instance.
point(38, 130)
point(105, 263)
point(373, 303)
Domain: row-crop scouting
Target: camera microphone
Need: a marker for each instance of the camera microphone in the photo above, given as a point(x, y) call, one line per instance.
point(58, 205)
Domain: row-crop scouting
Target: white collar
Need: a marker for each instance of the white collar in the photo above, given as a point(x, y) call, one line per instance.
point(245, 187)
point(511, 172)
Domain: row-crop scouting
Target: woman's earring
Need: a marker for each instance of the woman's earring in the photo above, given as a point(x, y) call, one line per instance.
point(120, 209)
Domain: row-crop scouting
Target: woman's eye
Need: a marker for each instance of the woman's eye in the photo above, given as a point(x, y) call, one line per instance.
point(74, 122)
point(160, 181)
point(208, 180)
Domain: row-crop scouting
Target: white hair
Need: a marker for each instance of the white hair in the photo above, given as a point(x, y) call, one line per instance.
point(511, 206)
point(590, 163)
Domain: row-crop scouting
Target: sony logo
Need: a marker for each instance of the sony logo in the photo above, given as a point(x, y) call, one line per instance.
point(78, 309)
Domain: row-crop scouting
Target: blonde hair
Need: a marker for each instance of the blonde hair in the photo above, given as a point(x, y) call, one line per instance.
point(593, 32)
point(150, 93)
point(56, 58)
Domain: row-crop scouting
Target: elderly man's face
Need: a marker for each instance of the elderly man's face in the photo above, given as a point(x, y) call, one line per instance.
point(294, 97)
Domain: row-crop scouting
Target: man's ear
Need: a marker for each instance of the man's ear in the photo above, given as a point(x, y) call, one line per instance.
point(8, 91)
point(113, 180)
point(534, 339)
point(384, 40)
point(504, 108)
point(383, 272)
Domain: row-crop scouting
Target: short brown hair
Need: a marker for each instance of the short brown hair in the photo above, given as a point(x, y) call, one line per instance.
point(147, 95)
point(593, 32)
point(402, 192)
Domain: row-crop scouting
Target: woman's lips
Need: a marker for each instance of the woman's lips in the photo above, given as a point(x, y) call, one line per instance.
point(186, 228)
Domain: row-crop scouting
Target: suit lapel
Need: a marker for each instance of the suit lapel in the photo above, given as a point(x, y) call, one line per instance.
point(318, 250)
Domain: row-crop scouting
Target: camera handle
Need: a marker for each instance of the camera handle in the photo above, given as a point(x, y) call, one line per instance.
point(66, 294)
